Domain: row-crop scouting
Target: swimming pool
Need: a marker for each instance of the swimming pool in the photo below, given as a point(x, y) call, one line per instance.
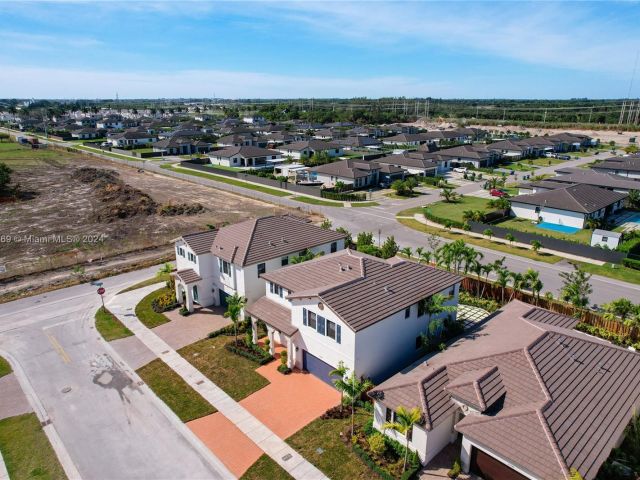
point(635, 218)
point(560, 228)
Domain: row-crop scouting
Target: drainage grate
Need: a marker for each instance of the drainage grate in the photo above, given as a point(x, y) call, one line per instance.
point(66, 389)
point(165, 352)
point(46, 422)
point(288, 456)
point(200, 382)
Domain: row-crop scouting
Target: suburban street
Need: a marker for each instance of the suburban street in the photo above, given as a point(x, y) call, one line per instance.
point(109, 424)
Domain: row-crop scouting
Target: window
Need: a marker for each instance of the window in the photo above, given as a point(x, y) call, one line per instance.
point(418, 342)
point(331, 329)
point(407, 312)
point(181, 251)
point(311, 319)
point(390, 415)
point(321, 325)
point(605, 239)
point(276, 289)
point(192, 257)
point(262, 268)
point(225, 267)
point(422, 307)
point(284, 261)
point(334, 247)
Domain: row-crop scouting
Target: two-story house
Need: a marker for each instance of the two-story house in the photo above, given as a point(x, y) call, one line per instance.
point(215, 264)
point(529, 397)
point(353, 308)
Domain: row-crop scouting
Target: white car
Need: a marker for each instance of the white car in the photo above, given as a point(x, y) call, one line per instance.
point(460, 169)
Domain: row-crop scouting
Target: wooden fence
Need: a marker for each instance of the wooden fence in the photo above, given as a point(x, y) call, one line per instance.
point(494, 292)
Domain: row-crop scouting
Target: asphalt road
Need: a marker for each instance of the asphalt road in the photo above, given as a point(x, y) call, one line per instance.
point(111, 426)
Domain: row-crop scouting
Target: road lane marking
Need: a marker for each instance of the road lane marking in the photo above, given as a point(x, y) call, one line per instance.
point(58, 348)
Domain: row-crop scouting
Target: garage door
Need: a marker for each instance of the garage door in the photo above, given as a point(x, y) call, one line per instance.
point(491, 469)
point(317, 367)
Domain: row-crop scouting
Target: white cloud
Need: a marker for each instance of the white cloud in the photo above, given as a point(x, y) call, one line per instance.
point(18, 81)
point(32, 41)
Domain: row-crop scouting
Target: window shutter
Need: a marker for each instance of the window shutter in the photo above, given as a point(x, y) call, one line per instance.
point(338, 333)
point(321, 325)
point(304, 316)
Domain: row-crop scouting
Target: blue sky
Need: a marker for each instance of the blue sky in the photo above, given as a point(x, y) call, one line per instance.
point(267, 49)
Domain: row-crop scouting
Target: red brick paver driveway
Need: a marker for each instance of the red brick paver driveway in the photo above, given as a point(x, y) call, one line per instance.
point(285, 406)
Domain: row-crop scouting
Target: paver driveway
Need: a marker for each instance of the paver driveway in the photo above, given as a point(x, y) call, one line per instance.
point(285, 406)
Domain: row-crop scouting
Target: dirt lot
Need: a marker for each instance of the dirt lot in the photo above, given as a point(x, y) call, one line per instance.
point(66, 221)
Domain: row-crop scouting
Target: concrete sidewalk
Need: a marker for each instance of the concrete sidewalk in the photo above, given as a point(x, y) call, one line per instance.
point(123, 306)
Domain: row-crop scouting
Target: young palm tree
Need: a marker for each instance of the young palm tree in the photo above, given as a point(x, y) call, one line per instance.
point(503, 280)
point(353, 388)
point(405, 420)
point(419, 251)
point(532, 280)
point(619, 309)
point(517, 280)
point(235, 305)
point(426, 256)
point(406, 251)
point(340, 372)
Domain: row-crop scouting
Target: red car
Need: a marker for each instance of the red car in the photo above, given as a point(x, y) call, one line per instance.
point(494, 192)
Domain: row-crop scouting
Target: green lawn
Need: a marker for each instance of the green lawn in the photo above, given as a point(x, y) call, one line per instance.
point(224, 167)
point(364, 204)
point(317, 201)
point(265, 468)
point(480, 242)
point(181, 398)
point(543, 162)
point(228, 180)
point(395, 196)
point(145, 313)
point(337, 460)
point(19, 156)
point(161, 277)
point(236, 375)
point(522, 166)
point(109, 326)
point(525, 225)
point(620, 272)
point(26, 449)
point(454, 211)
point(5, 368)
point(109, 154)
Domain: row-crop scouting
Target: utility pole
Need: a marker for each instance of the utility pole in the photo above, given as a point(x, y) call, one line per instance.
point(504, 114)
point(544, 119)
point(624, 104)
point(590, 112)
point(427, 109)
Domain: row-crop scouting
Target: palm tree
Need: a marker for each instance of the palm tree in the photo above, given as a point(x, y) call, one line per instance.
point(532, 280)
point(449, 195)
point(406, 251)
point(488, 233)
point(339, 372)
point(517, 280)
point(536, 246)
point(353, 388)
point(435, 305)
point(633, 198)
point(404, 421)
point(619, 309)
point(503, 280)
point(419, 251)
point(426, 256)
point(510, 238)
point(235, 305)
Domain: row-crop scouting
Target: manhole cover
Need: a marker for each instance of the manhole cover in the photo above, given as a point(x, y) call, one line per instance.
point(66, 389)
point(287, 457)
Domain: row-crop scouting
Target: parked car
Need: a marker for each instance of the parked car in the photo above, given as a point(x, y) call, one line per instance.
point(460, 169)
point(495, 192)
point(551, 155)
point(564, 157)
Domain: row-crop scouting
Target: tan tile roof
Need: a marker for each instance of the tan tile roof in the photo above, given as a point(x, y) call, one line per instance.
point(580, 198)
point(480, 388)
point(261, 239)
point(273, 314)
point(188, 275)
point(362, 289)
point(200, 242)
point(567, 397)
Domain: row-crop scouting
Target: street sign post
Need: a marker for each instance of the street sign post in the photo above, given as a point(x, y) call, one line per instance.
point(101, 291)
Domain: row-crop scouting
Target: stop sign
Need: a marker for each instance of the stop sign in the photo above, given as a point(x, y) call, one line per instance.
point(101, 291)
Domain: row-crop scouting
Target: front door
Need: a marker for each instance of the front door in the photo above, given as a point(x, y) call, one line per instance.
point(195, 293)
point(223, 298)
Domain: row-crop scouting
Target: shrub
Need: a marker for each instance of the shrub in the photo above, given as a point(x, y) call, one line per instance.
point(229, 330)
point(343, 197)
point(166, 301)
point(489, 305)
point(603, 333)
point(455, 469)
point(253, 353)
point(282, 368)
point(184, 311)
point(631, 263)
point(377, 444)
point(443, 221)
point(283, 357)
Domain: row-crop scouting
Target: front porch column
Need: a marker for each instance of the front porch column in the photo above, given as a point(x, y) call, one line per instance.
point(291, 353)
point(188, 299)
point(254, 330)
point(272, 343)
point(465, 455)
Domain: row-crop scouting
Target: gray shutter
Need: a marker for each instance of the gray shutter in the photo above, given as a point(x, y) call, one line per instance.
point(338, 333)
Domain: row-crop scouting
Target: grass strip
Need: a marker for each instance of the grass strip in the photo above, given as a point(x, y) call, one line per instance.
point(317, 201)
point(146, 314)
point(265, 468)
point(109, 326)
point(5, 368)
point(161, 277)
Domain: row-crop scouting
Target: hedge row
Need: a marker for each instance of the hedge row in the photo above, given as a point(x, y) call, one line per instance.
point(343, 197)
point(631, 263)
point(256, 354)
point(605, 334)
point(442, 221)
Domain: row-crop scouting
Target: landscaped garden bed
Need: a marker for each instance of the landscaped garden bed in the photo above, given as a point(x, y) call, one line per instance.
point(146, 309)
point(250, 351)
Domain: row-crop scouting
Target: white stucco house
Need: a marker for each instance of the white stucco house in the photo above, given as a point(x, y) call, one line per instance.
point(353, 308)
point(306, 148)
point(524, 394)
point(605, 239)
point(570, 206)
point(215, 264)
point(245, 157)
point(131, 138)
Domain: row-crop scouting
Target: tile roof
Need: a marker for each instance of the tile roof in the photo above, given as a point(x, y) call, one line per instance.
point(313, 144)
point(200, 242)
point(273, 314)
point(574, 198)
point(567, 397)
point(629, 163)
point(362, 289)
point(245, 151)
point(264, 238)
point(188, 275)
point(597, 179)
point(348, 168)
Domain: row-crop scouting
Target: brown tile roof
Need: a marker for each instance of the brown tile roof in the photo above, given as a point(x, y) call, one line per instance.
point(245, 151)
point(348, 168)
point(200, 242)
point(575, 198)
point(480, 388)
point(312, 144)
point(188, 275)
point(273, 314)
point(261, 239)
point(567, 397)
point(362, 289)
